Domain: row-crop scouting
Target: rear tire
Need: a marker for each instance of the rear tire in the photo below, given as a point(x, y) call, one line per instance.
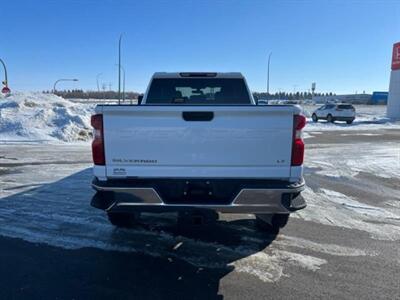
point(330, 119)
point(314, 118)
point(123, 220)
point(271, 222)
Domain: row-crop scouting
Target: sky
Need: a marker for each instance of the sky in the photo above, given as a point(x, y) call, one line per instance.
point(343, 46)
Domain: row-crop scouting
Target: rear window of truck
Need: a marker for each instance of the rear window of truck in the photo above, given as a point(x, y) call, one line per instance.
point(207, 91)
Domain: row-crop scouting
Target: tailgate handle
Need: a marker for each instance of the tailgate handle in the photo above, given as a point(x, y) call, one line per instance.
point(198, 115)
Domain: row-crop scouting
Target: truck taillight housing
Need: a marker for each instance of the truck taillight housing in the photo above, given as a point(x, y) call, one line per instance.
point(299, 122)
point(98, 140)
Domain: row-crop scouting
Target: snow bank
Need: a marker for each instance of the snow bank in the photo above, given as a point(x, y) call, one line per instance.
point(33, 116)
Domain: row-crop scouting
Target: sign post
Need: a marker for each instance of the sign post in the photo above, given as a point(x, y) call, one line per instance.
point(313, 86)
point(393, 106)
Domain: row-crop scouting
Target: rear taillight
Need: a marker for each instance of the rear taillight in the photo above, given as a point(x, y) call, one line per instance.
point(299, 122)
point(98, 140)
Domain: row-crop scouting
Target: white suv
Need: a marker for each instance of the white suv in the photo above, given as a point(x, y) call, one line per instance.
point(335, 112)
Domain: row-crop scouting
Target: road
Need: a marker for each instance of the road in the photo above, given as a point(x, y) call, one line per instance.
point(344, 245)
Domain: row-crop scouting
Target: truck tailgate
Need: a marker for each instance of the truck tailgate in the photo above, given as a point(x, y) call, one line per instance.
point(198, 141)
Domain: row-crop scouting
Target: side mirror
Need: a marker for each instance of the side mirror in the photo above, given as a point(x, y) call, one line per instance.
point(139, 99)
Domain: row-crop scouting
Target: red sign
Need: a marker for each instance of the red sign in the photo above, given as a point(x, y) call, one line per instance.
point(396, 57)
point(5, 90)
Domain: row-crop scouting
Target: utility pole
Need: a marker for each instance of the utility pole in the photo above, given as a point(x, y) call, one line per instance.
point(269, 60)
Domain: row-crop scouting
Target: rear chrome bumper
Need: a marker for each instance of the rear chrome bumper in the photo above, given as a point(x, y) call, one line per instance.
point(266, 197)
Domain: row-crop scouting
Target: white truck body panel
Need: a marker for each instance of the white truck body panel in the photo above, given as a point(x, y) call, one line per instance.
point(239, 142)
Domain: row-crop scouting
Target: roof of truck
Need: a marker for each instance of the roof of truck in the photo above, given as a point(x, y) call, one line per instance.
point(197, 75)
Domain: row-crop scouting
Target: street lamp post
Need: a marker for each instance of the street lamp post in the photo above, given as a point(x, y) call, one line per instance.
point(123, 85)
point(123, 82)
point(269, 60)
point(5, 74)
point(119, 69)
point(97, 81)
point(63, 79)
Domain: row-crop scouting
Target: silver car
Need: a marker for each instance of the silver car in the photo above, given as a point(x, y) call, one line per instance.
point(335, 112)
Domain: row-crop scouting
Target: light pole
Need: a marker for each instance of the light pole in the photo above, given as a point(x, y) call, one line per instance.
point(97, 81)
point(123, 82)
point(5, 73)
point(63, 79)
point(119, 69)
point(269, 60)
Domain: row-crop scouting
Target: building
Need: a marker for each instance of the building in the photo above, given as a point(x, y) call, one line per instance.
point(352, 98)
point(379, 98)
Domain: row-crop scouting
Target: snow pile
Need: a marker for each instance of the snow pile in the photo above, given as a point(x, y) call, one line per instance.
point(36, 116)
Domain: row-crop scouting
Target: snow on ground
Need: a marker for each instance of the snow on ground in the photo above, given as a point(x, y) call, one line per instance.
point(342, 161)
point(332, 208)
point(33, 116)
point(351, 164)
point(99, 101)
point(368, 117)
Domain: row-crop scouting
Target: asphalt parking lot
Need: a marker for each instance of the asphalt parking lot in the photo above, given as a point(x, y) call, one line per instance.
point(344, 245)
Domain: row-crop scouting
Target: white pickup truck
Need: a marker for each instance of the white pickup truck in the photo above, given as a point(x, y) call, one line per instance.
point(198, 141)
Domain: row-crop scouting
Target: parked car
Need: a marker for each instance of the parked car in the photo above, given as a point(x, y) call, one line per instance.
point(335, 112)
point(196, 142)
